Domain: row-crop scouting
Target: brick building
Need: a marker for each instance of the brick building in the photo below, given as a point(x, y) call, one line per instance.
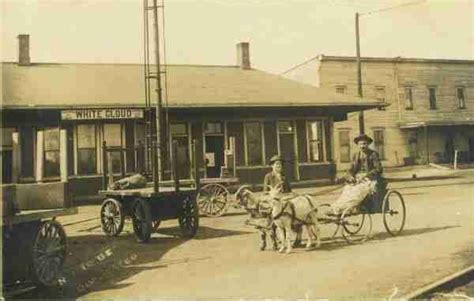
point(430, 112)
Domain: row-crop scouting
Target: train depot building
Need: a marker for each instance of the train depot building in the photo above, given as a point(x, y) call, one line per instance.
point(55, 118)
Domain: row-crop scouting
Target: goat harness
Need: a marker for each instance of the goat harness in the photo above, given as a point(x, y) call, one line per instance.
point(292, 213)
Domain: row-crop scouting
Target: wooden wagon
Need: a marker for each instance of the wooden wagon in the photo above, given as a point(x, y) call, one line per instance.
point(148, 206)
point(34, 244)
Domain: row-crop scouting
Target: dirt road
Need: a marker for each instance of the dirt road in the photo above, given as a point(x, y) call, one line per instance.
point(224, 260)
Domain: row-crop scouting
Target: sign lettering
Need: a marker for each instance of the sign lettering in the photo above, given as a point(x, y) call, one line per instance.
point(98, 114)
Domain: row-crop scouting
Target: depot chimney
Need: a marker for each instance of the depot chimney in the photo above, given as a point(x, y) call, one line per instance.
point(24, 50)
point(243, 55)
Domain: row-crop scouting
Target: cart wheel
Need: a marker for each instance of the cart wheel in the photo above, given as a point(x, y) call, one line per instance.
point(189, 218)
point(155, 224)
point(356, 226)
point(394, 212)
point(49, 253)
point(141, 220)
point(333, 227)
point(212, 200)
point(111, 217)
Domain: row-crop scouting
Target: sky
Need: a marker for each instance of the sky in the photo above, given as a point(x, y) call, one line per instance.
point(281, 33)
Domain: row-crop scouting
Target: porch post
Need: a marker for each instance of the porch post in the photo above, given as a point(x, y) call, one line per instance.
point(63, 155)
point(427, 145)
point(39, 156)
point(16, 157)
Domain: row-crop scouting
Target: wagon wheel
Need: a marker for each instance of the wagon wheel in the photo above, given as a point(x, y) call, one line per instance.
point(333, 227)
point(111, 217)
point(49, 253)
point(212, 200)
point(394, 212)
point(141, 219)
point(356, 226)
point(189, 217)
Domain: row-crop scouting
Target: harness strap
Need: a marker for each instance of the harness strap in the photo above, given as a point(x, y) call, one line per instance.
point(282, 212)
point(292, 214)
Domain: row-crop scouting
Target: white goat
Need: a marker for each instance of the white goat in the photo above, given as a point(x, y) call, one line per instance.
point(290, 213)
point(259, 207)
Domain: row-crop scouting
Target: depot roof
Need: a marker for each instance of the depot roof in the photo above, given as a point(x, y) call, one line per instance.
point(53, 85)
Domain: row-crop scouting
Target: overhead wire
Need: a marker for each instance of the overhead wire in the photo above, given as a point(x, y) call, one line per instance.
point(393, 7)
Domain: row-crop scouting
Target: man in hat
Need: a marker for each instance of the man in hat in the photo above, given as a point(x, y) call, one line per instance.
point(366, 162)
point(276, 176)
point(364, 175)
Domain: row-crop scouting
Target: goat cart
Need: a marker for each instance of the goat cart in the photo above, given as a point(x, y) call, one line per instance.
point(34, 244)
point(149, 205)
point(355, 223)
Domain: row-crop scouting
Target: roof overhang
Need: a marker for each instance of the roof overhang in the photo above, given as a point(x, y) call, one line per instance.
point(343, 106)
point(419, 124)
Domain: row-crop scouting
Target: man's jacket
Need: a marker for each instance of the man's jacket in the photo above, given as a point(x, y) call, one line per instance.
point(369, 164)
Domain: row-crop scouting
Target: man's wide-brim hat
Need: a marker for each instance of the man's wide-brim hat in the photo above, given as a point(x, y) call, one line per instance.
point(363, 137)
point(275, 159)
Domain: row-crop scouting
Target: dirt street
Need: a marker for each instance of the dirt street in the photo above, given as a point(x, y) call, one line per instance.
point(224, 260)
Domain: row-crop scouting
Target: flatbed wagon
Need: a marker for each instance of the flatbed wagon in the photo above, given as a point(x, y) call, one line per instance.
point(147, 209)
point(149, 205)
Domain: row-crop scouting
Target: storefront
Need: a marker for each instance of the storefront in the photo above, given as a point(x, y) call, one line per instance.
point(440, 141)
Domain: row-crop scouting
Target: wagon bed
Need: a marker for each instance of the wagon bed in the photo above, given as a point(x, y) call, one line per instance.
point(33, 215)
point(147, 192)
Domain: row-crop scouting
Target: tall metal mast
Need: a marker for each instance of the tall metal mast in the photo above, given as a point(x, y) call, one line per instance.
point(155, 138)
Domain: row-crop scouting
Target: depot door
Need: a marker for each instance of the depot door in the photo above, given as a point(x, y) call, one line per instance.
point(214, 156)
point(286, 146)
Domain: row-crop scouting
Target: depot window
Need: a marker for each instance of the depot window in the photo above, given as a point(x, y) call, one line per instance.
point(7, 154)
point(113, 137)
point(86, 149)
point(213, 128)
point(51, 152)
point(315, 137)
point(180, 136)
point(285, 127)
point(254, 143)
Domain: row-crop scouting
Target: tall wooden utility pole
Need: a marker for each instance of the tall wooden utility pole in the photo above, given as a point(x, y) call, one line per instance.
point(159, 100)
point(359, 75)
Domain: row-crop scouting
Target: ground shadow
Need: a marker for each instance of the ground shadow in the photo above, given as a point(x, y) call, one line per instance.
point(410, 232)
point(204, 232)
point(237, 213)
point(338, 242)
point(97, 262)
